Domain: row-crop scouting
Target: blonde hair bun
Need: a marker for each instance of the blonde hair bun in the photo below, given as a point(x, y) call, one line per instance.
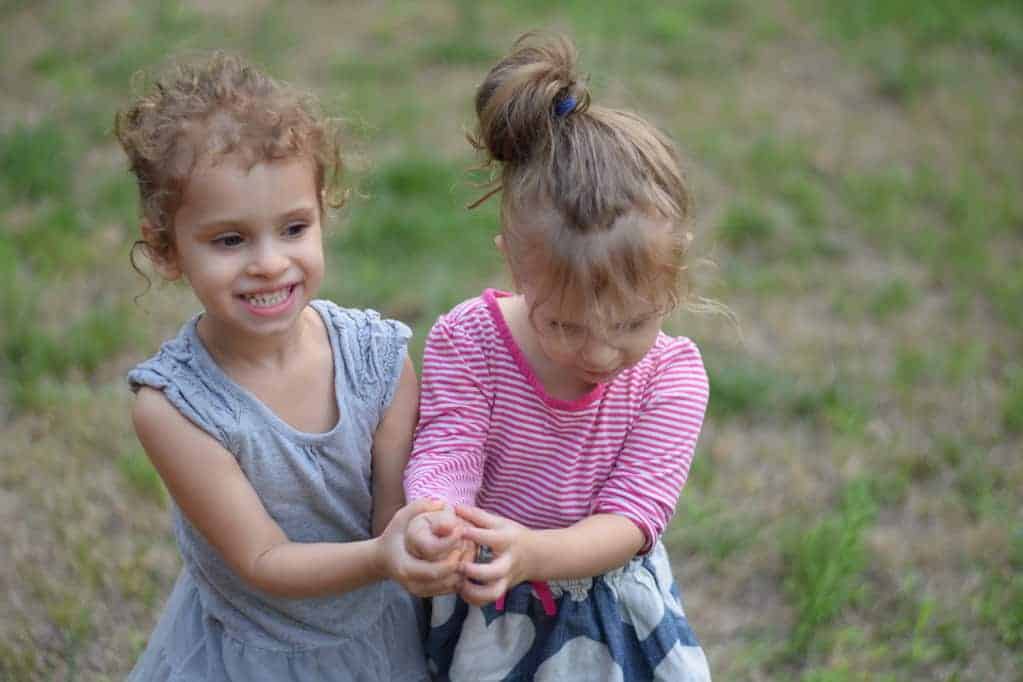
point(525, 95)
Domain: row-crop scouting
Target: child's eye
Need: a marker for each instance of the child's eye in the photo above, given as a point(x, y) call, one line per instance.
point(566, 328)
point(229, 240)
point(631, 325)
point(295, 229)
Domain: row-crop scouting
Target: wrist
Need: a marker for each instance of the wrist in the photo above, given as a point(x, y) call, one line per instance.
point(528, 553)
point(378, 557)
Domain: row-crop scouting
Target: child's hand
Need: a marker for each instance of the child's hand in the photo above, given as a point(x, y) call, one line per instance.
point(467, 551)
point(421, 578)
point(490, 581)
point(434, 534)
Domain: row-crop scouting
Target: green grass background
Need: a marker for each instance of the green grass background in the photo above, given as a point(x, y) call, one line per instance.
point(854, 510)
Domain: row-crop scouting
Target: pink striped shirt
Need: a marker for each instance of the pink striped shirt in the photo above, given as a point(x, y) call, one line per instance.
point(490, 435)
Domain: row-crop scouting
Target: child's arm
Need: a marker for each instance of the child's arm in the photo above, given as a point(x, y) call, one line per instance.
point(634, 504)
point(447, 458)
point(590, 547)
point(392, 443)
point(212, 491)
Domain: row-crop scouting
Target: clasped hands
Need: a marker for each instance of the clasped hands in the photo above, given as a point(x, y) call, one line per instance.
point(449, 539)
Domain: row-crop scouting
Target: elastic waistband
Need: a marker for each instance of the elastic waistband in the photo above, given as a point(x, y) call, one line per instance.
point(578, 588)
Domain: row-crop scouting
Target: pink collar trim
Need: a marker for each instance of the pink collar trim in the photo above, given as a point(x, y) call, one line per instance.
point(490, 297)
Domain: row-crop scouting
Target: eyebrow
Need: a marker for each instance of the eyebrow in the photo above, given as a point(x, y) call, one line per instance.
point(642, 317)
point(303, 211)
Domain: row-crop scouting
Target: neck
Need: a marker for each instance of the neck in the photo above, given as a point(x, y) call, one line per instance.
point(234, 351)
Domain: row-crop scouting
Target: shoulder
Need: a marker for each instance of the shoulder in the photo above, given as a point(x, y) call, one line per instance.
point(675, 362)
point(463, 345)
point(470, 314)
point(151, 410)
point(182, 378)
point(677, 350)
point(175, 357)
point(371, 350)
point(471, 321)
point(361, 326)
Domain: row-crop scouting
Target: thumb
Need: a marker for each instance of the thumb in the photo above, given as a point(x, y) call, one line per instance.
point(445, 522)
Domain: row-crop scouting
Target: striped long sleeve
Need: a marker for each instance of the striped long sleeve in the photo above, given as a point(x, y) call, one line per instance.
point(490, 435)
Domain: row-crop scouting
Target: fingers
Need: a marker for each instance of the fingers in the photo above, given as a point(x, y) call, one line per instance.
point(419, 571)
point(484, 536)
point(425, 545)
point(485, 573)
point(428, 579)
point(416, 538)
point(443, 522)
point(480, 595)
point(467, 553)
point(484, 583)
point(417, 507)
point(477, 516)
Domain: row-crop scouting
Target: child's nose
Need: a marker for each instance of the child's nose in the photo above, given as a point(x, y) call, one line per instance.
point(599, 355)
point(267, 261)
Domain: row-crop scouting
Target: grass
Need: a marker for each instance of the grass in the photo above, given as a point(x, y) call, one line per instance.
point(140, 475)
point(465, 44)
point(708, 530)
point(1001, 601)
point(852, 511)
point(825, 565)
point(34, 355)
point(995, 25)
point(408, 225)
point(899, 40)
point(35, 162)
point(892, 298)
point(751, 391)
point(746, 224)
point(1012, 404)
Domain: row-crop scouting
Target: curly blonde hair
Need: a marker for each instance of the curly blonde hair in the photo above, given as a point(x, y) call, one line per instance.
point(200, 112)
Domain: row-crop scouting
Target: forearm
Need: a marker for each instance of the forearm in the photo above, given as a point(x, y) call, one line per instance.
point(431, 480)
point(298, 569)
point(590, 547)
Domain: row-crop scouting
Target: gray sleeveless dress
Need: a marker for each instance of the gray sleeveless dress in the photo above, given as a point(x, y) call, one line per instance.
point(318, 488)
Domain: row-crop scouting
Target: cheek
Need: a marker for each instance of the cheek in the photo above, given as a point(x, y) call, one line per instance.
point(641, 347)
point(314, 255)
point(555, 351)
point(317, 263)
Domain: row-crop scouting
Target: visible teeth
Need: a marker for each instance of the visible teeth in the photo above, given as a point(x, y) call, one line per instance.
point(268, 300)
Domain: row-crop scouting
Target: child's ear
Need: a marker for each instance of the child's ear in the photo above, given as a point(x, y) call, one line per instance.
point(166, 265)
point(499, 243)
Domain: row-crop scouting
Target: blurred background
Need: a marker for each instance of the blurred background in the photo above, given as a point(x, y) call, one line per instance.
point(854, 510)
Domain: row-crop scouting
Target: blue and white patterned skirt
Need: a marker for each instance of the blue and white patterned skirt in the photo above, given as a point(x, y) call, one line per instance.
point(627, 624)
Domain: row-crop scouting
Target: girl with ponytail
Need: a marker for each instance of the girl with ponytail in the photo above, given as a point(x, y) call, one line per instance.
point(559, 421)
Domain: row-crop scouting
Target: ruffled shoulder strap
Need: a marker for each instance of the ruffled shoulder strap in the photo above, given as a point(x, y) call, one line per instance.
point(183, 372)
point(371, 351)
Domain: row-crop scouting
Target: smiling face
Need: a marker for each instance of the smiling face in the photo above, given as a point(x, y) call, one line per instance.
point(248, 241)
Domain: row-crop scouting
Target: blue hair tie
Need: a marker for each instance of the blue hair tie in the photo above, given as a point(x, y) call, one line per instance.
point(564, 106)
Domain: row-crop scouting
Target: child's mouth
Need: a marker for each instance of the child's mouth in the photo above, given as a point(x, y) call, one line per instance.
point(269, 302)
point(268, 299)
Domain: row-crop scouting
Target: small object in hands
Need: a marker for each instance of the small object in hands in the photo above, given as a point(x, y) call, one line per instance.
point(484, 555)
